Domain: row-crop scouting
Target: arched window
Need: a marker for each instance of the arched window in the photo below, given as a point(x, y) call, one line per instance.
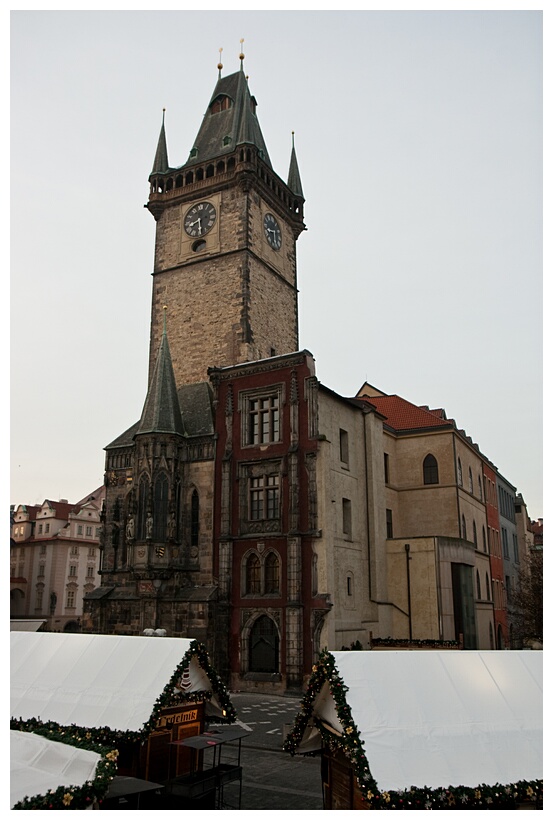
point(194, 519)
point(474, 535)
point(264, 646)
point(490, 633)
point(471, 485)
point(463, 528)
point(487, 587)
point(479, 488)
point(272, 574)
point(478, 587)
point(430, 470)
point(143, 493)
point(253, 575)
point(161, 504)
point(459, 473)
point(484, 547)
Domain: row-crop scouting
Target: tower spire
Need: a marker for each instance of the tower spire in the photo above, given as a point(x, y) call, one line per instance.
point(161, 161)
point(294, 180)
point(220, 64)
point(161, 412)
point(241, 55)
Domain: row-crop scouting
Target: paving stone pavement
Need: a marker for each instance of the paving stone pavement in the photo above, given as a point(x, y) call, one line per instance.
point(271, 778)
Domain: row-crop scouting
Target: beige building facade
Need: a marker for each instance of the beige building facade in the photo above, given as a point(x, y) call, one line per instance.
point(54, 560)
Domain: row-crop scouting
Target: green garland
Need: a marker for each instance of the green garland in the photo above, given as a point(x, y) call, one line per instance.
point(73, 797)
point(483, 797)
point(170, 696)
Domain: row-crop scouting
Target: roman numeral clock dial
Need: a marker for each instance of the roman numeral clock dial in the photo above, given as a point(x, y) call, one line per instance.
point(200, 219)
point(273, 234)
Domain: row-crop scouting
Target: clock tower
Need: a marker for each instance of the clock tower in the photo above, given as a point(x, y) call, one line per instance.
point(225, 250)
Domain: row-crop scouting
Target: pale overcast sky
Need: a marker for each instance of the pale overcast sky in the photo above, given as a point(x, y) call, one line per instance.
point(419, 141)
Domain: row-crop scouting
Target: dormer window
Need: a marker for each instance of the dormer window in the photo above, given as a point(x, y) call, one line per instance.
point(220, 103)
point(193, 153)
point(227, 140)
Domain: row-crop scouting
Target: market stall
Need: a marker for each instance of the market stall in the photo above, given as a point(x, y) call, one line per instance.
point(137, 695)
point(48, 774)
point(425, 730)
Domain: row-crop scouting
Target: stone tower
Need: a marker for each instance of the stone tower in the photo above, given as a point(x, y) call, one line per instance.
point(224, 293)
point(225, 250)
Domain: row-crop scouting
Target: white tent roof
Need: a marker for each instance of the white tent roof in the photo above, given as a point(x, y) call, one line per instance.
point(95, 680)
point(439, 719)
point(38, 765)
point(26, 624)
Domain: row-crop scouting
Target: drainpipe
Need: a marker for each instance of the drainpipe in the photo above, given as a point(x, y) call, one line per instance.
point(407, 559)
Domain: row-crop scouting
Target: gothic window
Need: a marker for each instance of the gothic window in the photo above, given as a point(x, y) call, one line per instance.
point(471, 485)
point(263, 423)
point(143, 493)
point(430, 470)
point(161, 506)
point(253, 575)
point(272, 574)
point(463, 528)
point(484, 539)
point(478, 587)
point(487, 587)
point(474, 535)
point(264, 497)
point(386, 468)
point(264, 646)
point(479, 488)
point(178, 511)
point(194, 518)
point(459, 473)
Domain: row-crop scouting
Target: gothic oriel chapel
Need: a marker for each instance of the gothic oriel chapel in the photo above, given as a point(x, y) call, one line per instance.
point(250, 506)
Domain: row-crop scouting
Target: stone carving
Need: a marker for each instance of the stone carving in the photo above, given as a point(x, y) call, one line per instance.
point(149, 526)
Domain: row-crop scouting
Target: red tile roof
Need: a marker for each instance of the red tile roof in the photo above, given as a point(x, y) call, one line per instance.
point(402, 415)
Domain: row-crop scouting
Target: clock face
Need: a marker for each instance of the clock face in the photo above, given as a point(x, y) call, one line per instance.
point(273, 234)
point(200, 219)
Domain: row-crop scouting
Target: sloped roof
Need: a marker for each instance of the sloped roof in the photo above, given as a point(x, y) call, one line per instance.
point(434, 719)
point(402, 415)
point(94, 681)
point(239, 122)
point(39, 765)
point(161, 412)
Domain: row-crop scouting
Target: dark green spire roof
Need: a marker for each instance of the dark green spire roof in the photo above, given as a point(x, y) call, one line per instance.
point(294, 181)
point(161, 161)
point(223, 130)
point(162, 413)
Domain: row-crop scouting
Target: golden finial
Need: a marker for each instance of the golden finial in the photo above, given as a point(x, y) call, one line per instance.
point(292, 139)
point(241, 55)
point(164, 319)
point(220, 64)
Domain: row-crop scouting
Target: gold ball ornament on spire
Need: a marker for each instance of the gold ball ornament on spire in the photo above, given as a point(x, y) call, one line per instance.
point(220, 64)
point(241, 55)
